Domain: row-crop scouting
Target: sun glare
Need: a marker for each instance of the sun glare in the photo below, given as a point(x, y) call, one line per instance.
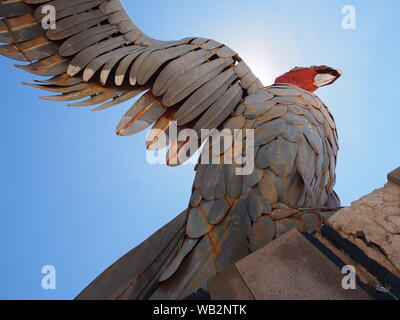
point(256, 55)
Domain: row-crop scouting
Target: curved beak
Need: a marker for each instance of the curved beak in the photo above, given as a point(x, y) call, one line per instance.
point(327, 76)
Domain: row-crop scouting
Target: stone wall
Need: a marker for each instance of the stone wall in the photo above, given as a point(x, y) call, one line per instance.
point(373, 224)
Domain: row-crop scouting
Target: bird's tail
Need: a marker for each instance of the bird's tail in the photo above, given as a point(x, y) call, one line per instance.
point(170, 265)
point(137, 275)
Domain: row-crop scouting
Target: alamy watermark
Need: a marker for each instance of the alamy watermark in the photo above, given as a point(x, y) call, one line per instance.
point(49, 19)
point(49, 279)
point(349, 21)
point(349, 281)
point(229, 146)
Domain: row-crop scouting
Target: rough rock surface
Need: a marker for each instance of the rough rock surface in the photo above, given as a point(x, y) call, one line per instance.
point(373, 224)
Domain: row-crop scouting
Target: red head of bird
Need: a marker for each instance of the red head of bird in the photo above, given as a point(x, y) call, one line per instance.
point(310, 78)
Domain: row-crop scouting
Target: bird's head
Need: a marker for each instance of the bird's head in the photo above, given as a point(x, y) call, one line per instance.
point(310, 78)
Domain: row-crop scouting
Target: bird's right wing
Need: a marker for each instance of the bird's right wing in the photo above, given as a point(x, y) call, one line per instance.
point(95, 52)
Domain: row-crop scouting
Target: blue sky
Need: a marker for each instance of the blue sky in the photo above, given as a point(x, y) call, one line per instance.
point(76, 196)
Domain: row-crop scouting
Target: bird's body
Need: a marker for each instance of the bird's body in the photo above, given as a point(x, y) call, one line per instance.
point(229, 216)
point(96, 52)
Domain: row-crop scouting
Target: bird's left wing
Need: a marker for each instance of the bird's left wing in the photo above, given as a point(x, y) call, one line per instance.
point(93, 51)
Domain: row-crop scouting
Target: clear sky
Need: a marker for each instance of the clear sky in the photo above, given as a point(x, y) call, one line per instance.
point(76, 196)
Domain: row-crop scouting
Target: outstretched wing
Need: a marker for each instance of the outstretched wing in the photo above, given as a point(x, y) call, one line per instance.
point(96, 53)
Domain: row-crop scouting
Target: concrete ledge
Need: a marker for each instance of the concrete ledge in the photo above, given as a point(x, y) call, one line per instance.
point(289, 268)
point(229, 285)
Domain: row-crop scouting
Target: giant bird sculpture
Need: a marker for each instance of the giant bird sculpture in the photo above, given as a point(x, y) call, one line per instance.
point(96, 53)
